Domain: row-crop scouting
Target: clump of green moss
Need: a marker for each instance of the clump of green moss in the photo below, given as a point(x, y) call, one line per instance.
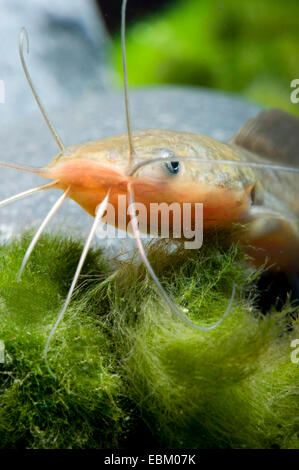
point(125, 366)
point(80, 408)
point(234, 386)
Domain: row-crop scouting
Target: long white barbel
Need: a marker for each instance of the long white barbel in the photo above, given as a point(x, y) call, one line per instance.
point(27, 193)
point(172, 306)
point(180, 158)
point(99, 214)
point(36, 237)
point(53, 131)
point(125, 79)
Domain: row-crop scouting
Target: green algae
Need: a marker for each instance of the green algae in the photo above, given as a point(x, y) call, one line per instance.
point(127, 368)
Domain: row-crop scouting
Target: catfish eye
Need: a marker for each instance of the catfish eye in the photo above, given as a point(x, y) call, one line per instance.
point(173, 167)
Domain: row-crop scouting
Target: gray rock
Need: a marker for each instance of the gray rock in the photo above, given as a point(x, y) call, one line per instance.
point(68, 48)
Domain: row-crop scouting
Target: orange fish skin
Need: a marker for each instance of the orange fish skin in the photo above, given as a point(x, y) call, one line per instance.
point(91, 169)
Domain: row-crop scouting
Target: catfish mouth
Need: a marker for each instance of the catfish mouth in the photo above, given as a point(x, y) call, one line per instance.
point(89, 180)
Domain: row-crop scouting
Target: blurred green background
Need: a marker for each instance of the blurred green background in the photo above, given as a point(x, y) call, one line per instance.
point(249, 47)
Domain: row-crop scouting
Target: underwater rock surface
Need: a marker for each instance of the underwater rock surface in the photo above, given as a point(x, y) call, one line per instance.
point(68, 48)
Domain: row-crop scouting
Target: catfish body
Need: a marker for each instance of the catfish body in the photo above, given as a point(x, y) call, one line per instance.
point(273, 232)
point(265, 201)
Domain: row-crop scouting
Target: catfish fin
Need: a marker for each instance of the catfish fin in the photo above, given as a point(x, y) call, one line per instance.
point(273, 134)
point(275, 241)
